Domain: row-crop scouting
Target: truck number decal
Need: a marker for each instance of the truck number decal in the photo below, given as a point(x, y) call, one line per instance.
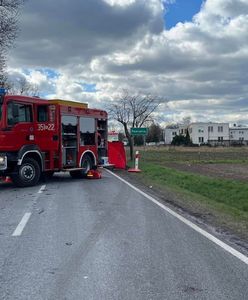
point(42, 127)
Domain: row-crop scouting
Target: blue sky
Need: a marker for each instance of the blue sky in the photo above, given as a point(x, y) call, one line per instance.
point(89, 87)
point(181, 11)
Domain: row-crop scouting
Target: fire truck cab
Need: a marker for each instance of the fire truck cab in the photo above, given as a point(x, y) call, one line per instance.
point(39, 136)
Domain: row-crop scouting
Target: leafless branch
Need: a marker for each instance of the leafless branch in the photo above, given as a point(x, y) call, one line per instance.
point(9, 12)
point(133, 111)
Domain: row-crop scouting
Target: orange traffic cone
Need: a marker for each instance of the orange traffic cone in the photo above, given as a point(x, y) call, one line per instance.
point(94, 174)
point(7, 179)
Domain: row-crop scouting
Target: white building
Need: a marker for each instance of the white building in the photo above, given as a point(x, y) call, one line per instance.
point(169, 134)
point(238, 135)
point(209, 133)
point(215, 134)
point(183, 129)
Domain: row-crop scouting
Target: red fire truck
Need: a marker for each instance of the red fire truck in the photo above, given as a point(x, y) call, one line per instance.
point(40, 136)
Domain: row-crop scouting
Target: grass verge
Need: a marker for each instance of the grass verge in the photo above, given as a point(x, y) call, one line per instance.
point(230, 197)
point(217, 201)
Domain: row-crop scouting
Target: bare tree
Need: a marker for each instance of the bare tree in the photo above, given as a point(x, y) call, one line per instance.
point(155, 133)
point(186, 120)
point(22, 86)
point(133, 111)
point(9, 11)
point(3, 76)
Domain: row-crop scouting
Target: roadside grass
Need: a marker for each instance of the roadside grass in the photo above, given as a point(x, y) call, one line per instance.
point(230, 196)
point(226, 196)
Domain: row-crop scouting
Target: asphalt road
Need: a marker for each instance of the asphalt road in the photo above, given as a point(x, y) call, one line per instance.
point(100, 239)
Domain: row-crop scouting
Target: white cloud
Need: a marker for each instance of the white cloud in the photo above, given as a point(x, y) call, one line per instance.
point(200, 66)
point(119, 2)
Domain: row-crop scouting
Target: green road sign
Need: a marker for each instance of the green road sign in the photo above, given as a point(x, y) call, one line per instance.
point(139, 131)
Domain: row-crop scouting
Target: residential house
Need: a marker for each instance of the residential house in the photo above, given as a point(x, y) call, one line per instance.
point(238, 135)
point(215, 134)
point(169, 134)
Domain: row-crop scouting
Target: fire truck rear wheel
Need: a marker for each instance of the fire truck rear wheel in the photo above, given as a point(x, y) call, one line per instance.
point(27, 174)
point(86, 164)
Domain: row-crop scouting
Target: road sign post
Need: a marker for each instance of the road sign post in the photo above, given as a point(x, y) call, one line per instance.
point(139, 131)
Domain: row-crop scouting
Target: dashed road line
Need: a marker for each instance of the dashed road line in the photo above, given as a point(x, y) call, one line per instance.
point(22, 224)
point(41, 190)
point(19, 229)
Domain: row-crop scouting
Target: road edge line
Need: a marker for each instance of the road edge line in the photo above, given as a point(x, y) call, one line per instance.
point(206, 234)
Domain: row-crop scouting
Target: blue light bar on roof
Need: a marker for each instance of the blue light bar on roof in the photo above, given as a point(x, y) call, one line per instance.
point(2, 91)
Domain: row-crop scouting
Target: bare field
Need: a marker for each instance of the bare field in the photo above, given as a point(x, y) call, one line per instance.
point(220, 162)
point(233, 171)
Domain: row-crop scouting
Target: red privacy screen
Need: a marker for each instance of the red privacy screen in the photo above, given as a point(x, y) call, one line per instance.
point(117, 154)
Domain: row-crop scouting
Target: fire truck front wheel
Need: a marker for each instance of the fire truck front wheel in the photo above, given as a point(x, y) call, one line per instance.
point(27, 174)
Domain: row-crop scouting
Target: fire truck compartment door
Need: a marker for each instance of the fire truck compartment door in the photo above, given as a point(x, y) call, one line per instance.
point(46, 128)
point(69, 140)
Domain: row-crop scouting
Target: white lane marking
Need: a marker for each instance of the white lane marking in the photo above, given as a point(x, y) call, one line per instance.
point(209, 236)
point(24, 220)
point(41, 190)
point(21, 225)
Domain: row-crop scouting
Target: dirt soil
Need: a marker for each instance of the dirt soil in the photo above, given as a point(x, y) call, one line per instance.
point(228, 171)
point(224, 228)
